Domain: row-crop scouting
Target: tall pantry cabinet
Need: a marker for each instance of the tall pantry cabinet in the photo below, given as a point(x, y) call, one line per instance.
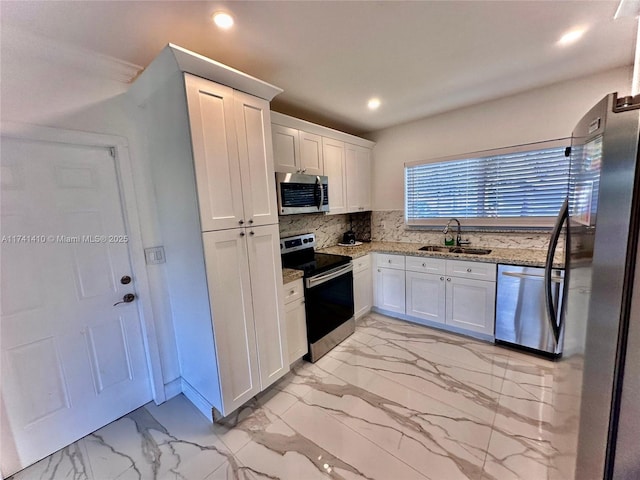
point(212, 162)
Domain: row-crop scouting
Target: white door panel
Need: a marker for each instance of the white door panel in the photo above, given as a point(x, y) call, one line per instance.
point(268, 305)
point(230, 297)
point(255, 150)
point(215, 153)
point(71, 361)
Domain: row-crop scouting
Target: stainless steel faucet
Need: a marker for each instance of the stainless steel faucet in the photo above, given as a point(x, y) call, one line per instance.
point(459, 241)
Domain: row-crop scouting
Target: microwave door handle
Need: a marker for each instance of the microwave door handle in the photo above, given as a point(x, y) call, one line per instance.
point(321, 187)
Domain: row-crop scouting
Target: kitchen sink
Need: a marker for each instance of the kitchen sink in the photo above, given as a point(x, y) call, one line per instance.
point(470, 251)
point(467, 250)
point(435, 248)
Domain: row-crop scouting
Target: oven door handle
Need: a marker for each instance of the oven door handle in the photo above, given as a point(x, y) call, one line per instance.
point(330, 275)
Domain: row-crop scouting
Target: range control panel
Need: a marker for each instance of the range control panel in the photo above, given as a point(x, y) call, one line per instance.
point(299, 242)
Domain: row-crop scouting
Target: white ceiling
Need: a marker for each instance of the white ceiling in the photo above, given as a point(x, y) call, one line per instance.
point(418, 57)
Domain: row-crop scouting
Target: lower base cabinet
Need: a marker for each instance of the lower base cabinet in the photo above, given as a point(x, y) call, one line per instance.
point(453, 293)
point(362, 286)
point(296, 320)
point(247, 310)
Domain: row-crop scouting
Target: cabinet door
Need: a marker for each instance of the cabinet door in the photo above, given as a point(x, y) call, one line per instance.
point(363, 157)
point(334, 168)
point(471, 304)
point(263, 244)
point(426, 296)
point(311, 161)
point(286, 149)
point(390, 293)
point(362, 292)
point(234, 330)
point(353, 182)
point(215, 153)
point(296, 330)
point(255, 151)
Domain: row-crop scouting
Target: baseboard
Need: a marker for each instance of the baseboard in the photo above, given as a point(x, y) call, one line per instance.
point(173, 388)
point(198, 400)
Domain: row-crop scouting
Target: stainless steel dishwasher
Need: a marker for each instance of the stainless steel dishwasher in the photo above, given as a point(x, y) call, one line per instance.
point(522, 318)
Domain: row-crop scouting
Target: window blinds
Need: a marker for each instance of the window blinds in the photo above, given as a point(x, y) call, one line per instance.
point(516, 188)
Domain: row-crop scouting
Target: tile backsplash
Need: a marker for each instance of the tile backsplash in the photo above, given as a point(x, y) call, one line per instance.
point(388, 226)
point(328, 228)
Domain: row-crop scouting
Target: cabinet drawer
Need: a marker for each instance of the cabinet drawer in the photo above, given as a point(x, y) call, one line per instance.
point(426, 265)
point(361, 263)
point(386, 260)
point(475, 270)
point(293, 291)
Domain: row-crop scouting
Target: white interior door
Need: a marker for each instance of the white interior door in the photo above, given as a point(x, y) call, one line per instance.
point(71, 360)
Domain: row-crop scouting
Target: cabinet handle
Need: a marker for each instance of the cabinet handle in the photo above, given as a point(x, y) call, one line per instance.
point(304, 170)
point(250, 221)
point(242, 234)
point(448, 279)
point(469, 270)
point(292, 292)
point(378, 270)
point(389, 260)
point(252, 232)
point(424, 265)
point(241, 222)
point(441, 278)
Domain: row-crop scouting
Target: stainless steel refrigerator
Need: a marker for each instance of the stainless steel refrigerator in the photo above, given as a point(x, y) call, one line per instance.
point(596, 391)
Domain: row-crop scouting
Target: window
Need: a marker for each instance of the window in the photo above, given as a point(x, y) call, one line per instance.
point(516, 187)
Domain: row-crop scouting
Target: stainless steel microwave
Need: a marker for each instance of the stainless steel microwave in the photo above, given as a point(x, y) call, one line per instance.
point(298, 193)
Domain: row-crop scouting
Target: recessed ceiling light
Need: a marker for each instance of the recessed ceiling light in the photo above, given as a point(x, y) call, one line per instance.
point(223, 20)
point(571, 36)
point(373, 103)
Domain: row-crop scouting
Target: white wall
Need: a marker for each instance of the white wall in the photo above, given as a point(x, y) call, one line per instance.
point(537, 115)
point(58, 86)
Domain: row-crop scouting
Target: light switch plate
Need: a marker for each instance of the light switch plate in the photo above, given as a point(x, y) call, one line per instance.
point(154, 255)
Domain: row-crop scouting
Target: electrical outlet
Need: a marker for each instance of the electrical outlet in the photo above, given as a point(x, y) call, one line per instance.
point(154, 255)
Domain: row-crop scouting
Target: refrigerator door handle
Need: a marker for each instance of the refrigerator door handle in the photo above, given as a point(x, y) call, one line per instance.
point(548, 268)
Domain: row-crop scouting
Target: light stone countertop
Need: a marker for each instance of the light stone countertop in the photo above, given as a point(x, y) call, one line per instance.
point(513, 256)
point(291, 275)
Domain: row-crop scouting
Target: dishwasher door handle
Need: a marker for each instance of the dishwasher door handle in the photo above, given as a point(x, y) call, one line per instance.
point(555, 279)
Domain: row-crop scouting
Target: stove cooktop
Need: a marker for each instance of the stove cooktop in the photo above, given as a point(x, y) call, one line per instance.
point(313, 263)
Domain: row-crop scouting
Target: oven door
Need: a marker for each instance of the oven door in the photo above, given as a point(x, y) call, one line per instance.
point(328, 301)
point(302, 193)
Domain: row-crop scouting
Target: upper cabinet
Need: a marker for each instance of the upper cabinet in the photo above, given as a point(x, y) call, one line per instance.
point(303, 147)
point(232, 152)
point(358, 184)
point(296, 151)
point(335, 169)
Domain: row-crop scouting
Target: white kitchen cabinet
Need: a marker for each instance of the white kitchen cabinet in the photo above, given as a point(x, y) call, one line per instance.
point(246, 310)
point(458, 293)
point(297, 151)
point(425, 296)
point(233, 156)
point(470, 304)
point(358, 173)
point(214, 183)
point(296, 320)
point(362, 286)
point(389, 289)
point(335, 168)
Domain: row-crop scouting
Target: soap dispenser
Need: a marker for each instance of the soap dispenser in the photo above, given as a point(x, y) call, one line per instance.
point(448, 239)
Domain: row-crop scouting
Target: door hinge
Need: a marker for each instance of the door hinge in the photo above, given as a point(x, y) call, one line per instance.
point(112, 152)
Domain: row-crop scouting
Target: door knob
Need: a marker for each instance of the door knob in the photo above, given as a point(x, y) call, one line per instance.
point(125, 280)
point(128, 298)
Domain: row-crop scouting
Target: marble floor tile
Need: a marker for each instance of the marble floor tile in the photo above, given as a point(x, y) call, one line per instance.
point(395, 401)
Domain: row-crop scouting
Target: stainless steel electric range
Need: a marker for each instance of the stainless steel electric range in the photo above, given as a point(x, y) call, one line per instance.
point(328, 292)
